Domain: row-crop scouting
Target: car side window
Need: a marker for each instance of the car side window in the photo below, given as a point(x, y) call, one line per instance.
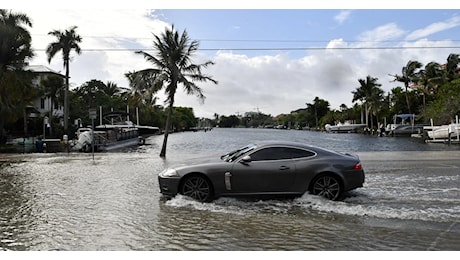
point(269, 154)
point(299, 153)
point(280, 153)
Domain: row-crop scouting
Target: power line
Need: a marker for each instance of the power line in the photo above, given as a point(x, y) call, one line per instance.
point(282, 48)
point(252, 40)
point(270, 41)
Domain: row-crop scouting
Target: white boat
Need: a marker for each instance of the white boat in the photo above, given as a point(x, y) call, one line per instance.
point(107, 139)
point(116, 120)
point(346, 127)
point(398, 121)
point(443, 131)
point(116, 134)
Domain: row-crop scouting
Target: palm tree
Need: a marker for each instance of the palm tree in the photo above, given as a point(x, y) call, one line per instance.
point(66, 42)
point(370, 94)
point(409, 75)
point(172, 66)
point(452, 67)
point(53, 87)
point(430, 79)
point(111, 89)
point(15, 51)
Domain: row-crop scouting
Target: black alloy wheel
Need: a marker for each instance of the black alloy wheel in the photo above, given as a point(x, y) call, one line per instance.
point(197, 187)
point(327, 186)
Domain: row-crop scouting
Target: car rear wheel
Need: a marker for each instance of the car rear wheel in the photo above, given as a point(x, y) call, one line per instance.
point(197, 187)
point(327, 186)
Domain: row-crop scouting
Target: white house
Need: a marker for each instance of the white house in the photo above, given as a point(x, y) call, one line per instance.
point(43, 104)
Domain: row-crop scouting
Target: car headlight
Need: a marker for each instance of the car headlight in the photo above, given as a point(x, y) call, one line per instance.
point(169, 173)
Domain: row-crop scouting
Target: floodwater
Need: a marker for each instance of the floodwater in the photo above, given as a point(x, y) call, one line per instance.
point(410, 201)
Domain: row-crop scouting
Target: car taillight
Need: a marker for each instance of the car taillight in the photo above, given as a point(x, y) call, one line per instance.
point(358, 166)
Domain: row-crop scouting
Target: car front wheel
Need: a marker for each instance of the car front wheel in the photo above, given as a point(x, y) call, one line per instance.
point(327, 186)
point(198, 188)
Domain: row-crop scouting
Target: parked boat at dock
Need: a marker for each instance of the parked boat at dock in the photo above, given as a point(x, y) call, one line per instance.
point(346, 127)
point(399, 121)
point(115, 134)
point(443, 133)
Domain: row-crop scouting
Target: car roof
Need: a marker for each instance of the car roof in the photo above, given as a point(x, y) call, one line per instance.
point(287, 143)
point(316, 149)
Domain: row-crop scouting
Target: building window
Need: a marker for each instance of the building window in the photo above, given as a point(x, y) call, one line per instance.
point(42, 103)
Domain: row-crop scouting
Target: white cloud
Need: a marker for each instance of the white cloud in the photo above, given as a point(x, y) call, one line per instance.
point(342, 16)
point(385, 32)
point(434, 28)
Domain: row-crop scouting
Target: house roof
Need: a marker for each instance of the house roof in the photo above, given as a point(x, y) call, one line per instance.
point(42, 69)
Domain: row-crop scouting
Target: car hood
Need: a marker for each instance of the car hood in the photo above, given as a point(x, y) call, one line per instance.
point(205, 168)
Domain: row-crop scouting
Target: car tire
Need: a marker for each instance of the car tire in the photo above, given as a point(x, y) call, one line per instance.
point(328, 186)
point(197, 187)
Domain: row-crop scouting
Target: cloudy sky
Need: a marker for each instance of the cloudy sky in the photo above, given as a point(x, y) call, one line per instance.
point(273, 60)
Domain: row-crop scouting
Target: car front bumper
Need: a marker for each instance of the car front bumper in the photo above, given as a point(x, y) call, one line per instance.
point(169, 186)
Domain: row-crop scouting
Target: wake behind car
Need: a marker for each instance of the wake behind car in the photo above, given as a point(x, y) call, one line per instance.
point(267, 168)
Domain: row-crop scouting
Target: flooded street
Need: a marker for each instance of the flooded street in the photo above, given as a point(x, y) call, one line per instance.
point(410, 201)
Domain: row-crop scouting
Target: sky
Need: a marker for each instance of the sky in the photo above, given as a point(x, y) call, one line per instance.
point(272, 60)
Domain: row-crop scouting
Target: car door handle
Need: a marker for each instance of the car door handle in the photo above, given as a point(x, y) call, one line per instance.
point(283, 168)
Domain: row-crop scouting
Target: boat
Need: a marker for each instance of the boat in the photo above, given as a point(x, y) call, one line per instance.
point(398, 121)
point(346, 127)
point(407, 130)
point(117, 119)
point(443, 131)
point(115, 134)
point(107, 139)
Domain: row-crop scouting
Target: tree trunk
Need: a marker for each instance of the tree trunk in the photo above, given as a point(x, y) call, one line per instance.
point(366, 111)
point(51, 116)
point(24, 114)
point(2, 138)
point(66, 97)
point(407, 99)
point(168, 124)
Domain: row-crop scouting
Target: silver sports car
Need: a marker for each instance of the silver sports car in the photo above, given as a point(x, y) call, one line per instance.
point(267, 168)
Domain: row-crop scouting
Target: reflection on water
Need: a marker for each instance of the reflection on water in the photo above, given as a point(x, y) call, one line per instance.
point(70, 202)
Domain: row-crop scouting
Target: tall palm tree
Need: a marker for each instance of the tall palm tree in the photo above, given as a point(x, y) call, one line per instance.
point(66, 41)
point(370, 94)
point(15, 51)
point(172, 66)
point(409, 75)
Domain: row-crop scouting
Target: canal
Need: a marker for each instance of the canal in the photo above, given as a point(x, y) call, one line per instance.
point(410, 201)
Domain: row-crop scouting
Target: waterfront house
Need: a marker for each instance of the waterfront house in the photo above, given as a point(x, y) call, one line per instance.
point(43, 104)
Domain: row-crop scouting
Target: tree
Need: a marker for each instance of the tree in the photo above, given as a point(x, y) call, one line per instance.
point(66, 42)
point(15, 51)
point(111, 89)
point(53, 87)
point(317, 110)
point(446, 104)
point(452, 67)
point(430, 79)
point(370, 94)
point(409, 75)
point(172, 66)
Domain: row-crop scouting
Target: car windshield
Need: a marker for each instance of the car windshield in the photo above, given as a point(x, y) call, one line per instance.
point(233, 155)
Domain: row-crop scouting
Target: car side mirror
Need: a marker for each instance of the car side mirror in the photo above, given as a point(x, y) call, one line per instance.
point(246, 159)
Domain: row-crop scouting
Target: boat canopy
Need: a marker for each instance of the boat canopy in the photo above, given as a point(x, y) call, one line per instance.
point(405, 116)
